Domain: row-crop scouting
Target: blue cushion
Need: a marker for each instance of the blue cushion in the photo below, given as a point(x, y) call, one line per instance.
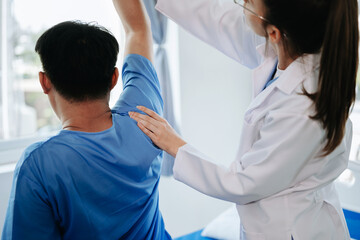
point(194, 236)
point(353, 223)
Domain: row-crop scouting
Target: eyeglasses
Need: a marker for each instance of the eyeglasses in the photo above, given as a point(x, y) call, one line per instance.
point(242, 3)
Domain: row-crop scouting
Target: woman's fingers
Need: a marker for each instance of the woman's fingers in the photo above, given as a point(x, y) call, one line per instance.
point(158, 129)
point(149, 133)
point(145, 120)
point(150, 113)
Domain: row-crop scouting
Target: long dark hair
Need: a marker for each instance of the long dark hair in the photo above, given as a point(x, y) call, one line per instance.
point(329, 27)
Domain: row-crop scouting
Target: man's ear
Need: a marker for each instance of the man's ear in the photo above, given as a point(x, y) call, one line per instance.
point(274, 34)
point(115, 78)
point(45, 82)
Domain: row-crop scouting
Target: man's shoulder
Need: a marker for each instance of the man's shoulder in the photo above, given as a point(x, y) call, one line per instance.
point(37, 149)
point(38, 146)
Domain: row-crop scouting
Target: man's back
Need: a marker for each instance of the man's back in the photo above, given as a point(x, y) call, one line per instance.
point(101, 185)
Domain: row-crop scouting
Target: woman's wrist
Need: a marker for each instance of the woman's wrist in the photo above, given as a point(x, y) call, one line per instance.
point(175, 147)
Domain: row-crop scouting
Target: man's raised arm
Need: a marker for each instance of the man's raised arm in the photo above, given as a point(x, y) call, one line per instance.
point(136, 22)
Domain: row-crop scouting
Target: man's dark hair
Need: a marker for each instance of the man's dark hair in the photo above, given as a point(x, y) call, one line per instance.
point(79, 59)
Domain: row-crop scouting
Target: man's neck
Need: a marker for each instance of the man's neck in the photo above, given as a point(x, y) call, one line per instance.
point(88, 116)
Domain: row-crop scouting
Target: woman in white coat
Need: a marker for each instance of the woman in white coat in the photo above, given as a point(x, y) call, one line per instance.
point(296, 136)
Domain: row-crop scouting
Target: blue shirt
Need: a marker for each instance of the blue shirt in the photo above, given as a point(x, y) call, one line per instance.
point(103, 185)
point(271, 78)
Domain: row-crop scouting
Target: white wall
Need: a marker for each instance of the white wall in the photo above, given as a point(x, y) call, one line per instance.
point(214, 92)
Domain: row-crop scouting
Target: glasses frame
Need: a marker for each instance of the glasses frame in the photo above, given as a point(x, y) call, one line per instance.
point(251, 11)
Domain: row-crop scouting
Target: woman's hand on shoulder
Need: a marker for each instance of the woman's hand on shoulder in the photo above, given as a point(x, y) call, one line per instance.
point(159, 130)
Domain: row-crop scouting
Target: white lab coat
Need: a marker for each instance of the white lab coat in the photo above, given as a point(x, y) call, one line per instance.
point(281, 185)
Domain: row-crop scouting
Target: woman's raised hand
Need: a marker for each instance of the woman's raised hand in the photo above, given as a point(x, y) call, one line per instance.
point(159, 130)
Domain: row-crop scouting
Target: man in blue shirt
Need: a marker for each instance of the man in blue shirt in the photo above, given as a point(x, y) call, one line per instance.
point(98, 177)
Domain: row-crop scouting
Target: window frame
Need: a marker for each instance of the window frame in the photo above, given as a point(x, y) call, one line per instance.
point(12, 149)
point(4, 8)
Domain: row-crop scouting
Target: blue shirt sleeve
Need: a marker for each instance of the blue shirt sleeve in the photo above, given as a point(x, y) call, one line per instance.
point(140, 86)
point(29, 215)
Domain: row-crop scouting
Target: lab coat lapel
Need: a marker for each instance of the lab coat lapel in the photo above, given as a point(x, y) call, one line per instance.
point(250, 129)
point(298, 71)
point(260, 76)
point(287, 82)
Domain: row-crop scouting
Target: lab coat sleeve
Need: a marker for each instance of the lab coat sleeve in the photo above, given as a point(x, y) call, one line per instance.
point(29, 216)
point(280, 158)
point(218, 23)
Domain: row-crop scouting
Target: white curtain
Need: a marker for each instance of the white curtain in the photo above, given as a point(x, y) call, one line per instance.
point(159, 30)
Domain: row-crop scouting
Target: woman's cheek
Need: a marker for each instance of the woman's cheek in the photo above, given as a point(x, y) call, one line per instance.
point(256, 24)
